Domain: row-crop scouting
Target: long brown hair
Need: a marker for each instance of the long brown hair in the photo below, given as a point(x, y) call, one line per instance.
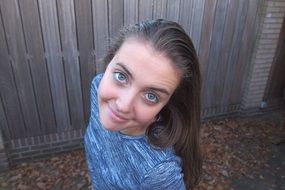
point(180, 123)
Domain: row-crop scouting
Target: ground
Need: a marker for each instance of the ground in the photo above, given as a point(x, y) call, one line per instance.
point(242, 154)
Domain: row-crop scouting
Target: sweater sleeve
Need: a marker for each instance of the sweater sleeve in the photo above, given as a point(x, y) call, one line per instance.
point(93, 92)
point(166, 175)
point(91, 169)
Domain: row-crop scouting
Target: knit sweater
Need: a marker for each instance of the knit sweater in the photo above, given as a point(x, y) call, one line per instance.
point(118, 161)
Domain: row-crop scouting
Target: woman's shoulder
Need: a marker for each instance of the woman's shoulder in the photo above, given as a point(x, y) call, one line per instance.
point(95, 83)
point(96, 79)
point(157, 166)
point(141, 149)
point(156, 155)
point(165, 173)
point(165, 155)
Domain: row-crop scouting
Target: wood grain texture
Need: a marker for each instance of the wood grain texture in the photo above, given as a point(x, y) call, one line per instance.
point(159, 9)
point(205, 43)
point(116, 17)
point(87, 60)
point(8, 92)
point(145, 10)
point(214, 87)
point(173, 10)
point(3, 121)
point(71, 63)
point(196, 23)
point(23, 77)
point(52, 42)
point(50, 51)
point(36, 57)
point(233, 50)
point(131, 15)
point(248, 40)
point(186, 15)
point(101, 31)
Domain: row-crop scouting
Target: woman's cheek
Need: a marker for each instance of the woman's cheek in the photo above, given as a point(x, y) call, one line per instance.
point(107, 89)
point(147, 115)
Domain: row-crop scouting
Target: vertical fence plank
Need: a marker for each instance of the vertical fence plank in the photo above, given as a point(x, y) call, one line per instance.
point(185, 16)
point(116, 17)
point(32, 28)
point(213, 89)
point(226, 41)
point(4, 62)
point(101, 31)
point(235, 49)
point(173, 10)
point(197, 18)
point(4, 130)
point(145, 10)
point(206, 37)
point(159, 9)
point(233, 17)
point(131, 12)
point(71, 64)
point(8, 91)
point(50, 28)
point(16, 44)
point(249, 36)
point(87, 59)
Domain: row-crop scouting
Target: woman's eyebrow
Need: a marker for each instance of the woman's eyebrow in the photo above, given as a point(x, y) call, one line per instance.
point(160, 90)
point(125, 69)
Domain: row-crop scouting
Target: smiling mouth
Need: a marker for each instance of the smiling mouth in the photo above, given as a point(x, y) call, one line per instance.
point(117, 118)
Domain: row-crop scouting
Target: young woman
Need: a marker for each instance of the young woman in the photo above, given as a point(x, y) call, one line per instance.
point(143, 131)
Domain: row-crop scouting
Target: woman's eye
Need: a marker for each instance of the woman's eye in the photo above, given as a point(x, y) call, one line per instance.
point(151, 97)
point(120, 77)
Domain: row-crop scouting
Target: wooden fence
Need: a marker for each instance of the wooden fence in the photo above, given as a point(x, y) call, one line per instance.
point(51, 49)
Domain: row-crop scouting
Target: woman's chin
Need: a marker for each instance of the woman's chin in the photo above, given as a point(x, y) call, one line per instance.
point(109, 127)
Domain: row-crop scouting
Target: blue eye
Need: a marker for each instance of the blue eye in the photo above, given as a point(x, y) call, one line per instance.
point(151, 97)
point(120, 77)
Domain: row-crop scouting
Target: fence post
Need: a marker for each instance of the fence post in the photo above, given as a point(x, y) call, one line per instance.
point(3, 156)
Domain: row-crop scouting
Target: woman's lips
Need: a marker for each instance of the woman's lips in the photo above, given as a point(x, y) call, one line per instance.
point(117, 118)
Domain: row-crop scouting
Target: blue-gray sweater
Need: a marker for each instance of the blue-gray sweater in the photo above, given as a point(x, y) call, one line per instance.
point(117, 161)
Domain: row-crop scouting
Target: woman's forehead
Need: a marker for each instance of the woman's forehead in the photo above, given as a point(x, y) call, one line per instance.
point(146, 64)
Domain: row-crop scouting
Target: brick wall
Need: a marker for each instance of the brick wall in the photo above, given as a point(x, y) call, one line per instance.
point(262, 60)
point(42, 147)
point(3, 156)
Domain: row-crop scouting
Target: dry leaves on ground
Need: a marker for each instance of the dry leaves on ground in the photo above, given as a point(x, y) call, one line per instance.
point(61, 172)
point(234, 147)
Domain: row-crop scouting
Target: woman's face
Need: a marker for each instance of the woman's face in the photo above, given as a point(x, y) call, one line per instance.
point(136, 85)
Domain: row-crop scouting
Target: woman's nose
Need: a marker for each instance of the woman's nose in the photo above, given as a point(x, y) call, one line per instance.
point(125, 101)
